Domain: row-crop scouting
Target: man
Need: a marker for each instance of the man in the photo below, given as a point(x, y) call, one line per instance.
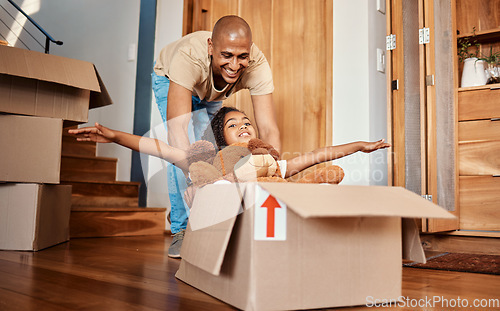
point(194, 75)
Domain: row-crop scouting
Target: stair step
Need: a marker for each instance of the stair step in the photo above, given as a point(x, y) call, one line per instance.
point(70, 146)
point(85, 168)
point(103, 201)
point(105, 188)
point(86, 222)
point(105, 193)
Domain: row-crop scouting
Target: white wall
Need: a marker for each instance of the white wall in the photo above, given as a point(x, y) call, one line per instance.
point(100, 32)
point(378, 94)
point(359, 91)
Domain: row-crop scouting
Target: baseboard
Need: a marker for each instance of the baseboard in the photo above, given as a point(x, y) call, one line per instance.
point(455, 243)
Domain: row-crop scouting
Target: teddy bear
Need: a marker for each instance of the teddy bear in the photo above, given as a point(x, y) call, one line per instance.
point(242, 162)
point(208, 166)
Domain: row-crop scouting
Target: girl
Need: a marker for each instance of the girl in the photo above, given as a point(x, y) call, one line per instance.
point(228, 126)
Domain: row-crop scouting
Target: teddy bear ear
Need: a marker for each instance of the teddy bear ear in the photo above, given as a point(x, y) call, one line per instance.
point(201, 150)
point(256, 146)
point(255, 143)
point(260, 151)
point(274, 153)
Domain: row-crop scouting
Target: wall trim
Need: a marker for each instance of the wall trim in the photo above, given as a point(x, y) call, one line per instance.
point(143, 93)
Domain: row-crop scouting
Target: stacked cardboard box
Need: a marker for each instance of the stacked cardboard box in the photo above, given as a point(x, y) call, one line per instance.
point(38, 93)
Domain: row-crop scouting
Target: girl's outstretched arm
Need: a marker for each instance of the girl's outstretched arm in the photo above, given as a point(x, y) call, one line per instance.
point(151, 146)
point(325, 154)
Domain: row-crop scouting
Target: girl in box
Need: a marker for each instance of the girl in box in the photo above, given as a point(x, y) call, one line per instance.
point(228, 126)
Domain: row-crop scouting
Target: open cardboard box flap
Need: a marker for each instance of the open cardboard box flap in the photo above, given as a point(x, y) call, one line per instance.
point(211, 222)
point(312, 200)
point(216, 207)
point(56, 69)
point(102, 98)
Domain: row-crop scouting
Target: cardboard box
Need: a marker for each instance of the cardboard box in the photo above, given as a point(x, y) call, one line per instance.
point(44, 85)
point(31, 149)
point(284, 246)
point(34, 216)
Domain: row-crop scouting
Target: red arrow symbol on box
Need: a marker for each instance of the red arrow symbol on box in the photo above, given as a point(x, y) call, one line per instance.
point(270, 203)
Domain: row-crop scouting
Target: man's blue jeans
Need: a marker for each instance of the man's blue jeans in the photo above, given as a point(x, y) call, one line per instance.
point(202, 113)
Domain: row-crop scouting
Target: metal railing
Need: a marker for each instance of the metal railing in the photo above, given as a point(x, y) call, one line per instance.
point(48, 38)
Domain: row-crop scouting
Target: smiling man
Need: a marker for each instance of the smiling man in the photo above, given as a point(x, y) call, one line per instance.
point(192, 76)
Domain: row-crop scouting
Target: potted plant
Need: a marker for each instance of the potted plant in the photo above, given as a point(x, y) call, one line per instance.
point(492, 66)
point(473, 73)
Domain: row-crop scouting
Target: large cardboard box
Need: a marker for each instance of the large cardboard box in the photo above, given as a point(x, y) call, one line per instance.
point(30, 149)
point(33, 216)
point(284, 246)
point(38, 84)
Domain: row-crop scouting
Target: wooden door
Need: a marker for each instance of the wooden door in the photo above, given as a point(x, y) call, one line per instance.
point(296, 36)
point(421, 105)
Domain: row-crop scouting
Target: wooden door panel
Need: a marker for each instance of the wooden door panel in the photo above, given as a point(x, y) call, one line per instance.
point(396, 96)
point(258, 14)
point(314, 76)
point(288, 23)
point(301, 66)
point(221, 8)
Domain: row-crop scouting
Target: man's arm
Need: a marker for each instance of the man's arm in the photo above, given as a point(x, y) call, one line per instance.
point(178, 115)
point(265, 117)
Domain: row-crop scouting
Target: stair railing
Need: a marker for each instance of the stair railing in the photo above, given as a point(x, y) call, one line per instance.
point(48, 38)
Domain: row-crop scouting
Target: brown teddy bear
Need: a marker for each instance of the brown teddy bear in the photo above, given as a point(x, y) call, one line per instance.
point(255, 161)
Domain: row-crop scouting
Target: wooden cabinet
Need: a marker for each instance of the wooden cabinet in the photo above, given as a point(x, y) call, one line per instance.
point(478, 122)
point(479, 157)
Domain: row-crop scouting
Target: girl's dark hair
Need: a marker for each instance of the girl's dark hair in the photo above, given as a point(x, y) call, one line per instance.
point(217, 127)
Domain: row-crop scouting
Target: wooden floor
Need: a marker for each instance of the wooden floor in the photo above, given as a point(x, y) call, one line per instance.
point(134, 273)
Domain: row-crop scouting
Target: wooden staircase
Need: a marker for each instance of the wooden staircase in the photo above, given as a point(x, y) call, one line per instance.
point(102, 206)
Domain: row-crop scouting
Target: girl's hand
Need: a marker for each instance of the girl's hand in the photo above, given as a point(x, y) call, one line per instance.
point(97, 133)
point(368, 147)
